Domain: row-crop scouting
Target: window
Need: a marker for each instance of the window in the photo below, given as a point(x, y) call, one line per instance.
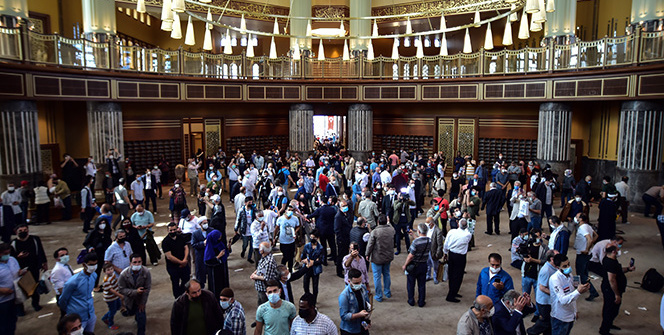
point(425, 71)
point(395, 71)
point(234, 71)
point(255, 71)
point(406, 71)
point(436, 71)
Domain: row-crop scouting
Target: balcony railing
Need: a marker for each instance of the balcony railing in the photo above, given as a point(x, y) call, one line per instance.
point(630, 50)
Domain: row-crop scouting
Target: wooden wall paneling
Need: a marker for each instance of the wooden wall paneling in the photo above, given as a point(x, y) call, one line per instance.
point(150, 130)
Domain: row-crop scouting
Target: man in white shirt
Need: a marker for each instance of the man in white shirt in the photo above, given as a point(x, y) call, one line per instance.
point(271, 217)
point(238, 201)
point(623, 188)
point(455, 249)
point(137, 188)
point(61, 273)
point(585, 237)
point(599, 251)
point(90, 168)
point(564, 296)
point(385, 177)
point(259, 234)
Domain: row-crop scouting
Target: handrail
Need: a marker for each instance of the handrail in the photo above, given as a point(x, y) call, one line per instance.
point(629, 50)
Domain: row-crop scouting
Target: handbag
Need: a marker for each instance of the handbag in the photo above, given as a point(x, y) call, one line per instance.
point(81, 256)
point(57, 203)
point(410, 268)
point(18, 292)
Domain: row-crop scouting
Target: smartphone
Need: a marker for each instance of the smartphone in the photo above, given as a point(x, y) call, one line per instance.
point(577, 280)
point(631, 262)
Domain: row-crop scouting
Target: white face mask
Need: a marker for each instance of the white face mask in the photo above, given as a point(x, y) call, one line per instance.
point(204, 226)
point(102, 226)
point(177, 185)
point(492, 311)
point(280, 193)
point(77, 332)
point(576, 220)
point(91, 268)
point(494, 270)
point(136, 267)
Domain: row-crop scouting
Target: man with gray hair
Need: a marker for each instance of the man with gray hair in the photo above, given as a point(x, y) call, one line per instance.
point(368, 209)
point(508, 316)
point(493, 202)
point(477, 320)
point(266, 271)
point(416, 265)
point(455, 249)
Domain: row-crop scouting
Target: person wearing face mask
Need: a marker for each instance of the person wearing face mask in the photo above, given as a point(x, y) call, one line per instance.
point(543, 296)
point(493, 202)
point(288, 225)
point(135, 284)
point(112, 164)
point(520, 214)
point(29, 252)
point(198, 245)
point(176, 252)
point(508, 316)
point(245, 217)
point(368, 209)
point(276, 315)
point(119, 252)
point(477, 320)
point(455, 249)
point(583, 242)
point(61, 272)
point(234, 318)
point(137, 188)
point(9, 272)
point(567, 189)
point(614, 284)
point(70, 324)
point(313, 256)
point(599, 251)
point(325, 216)
point(583, 187)
point(196, 311)
point(309, 320)
point(559, 239)
point(143, 221)
point(516, 251)
point(121, 202)
point(192, 174)
point(573, 207)
point(259, 233)
point(266, 271)
point(343, 223)
point(77, 296)
point(98, 240)
point(455, 186)
point(564, 296)
point(354, 306)
point(493, 281)
point(608, 210)
point(11, 200)
point(150, 190)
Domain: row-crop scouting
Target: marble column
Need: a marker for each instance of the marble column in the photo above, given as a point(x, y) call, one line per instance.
point(554, 136)
point(640, 144)
point(98, 19)
point(301, 128)
point(20, 155)
point(105, 132)
point(298, 27)
point(359, 27)
point(360, 130)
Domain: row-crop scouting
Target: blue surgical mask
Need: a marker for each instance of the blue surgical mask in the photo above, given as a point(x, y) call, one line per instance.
point(273, 298)
point(64, 259)
point(356, 287)
point(4, 258)
point(435, 208)
point(225, 304)
point(289, 213)
point(567, 271)
point(344, 209)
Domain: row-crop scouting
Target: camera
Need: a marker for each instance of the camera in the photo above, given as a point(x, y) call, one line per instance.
point(523, 249)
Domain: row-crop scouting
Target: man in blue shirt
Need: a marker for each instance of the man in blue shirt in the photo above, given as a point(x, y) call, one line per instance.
point(543, 298)
point(354, 305)
point(493, 281)
point(9, 271)
point(77, 297)
point(287, 224)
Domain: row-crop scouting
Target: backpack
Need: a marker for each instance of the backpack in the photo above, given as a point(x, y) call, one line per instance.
point(179, 199)
point(652, 281)
point(281, 178)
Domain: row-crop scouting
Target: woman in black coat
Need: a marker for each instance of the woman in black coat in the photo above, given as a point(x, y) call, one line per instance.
point(135, 240)
point(97, 241)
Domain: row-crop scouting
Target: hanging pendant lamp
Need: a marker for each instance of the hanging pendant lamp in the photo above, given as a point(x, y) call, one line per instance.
point(296, 50)
point(540, 16)
point(140, 6)
point(534, 25)
point(488, 39)
point(514, 16)
point(524, 34)
point(395, 49)
point(550, 6)
point(443, 25)
point(477, 20)
point(207, 40)
point(507, 35)
point(346, 54)
point(409, 27)
point(228, 47)
point(250, 48)
point(420, 50)
point(243, 25)
point(176, 33)
point(166, 16)
point(321, 51)
point(370, 51)
point(443, 46)
point(209, 18)
point(273, 48)
point(275, 30)
point(178, 6)
point(308, 32)
point(467, 45)
point(374, 33)
point(532, 6)
point(189, 36)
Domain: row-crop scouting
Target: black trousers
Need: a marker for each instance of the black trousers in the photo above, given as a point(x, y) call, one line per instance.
point(516, 225)
point(342, 246)
point(288, 251)
point(456, 266)
point(179, 276)
point(610, 310)
point(543, 324)
point(491, 221)
point(150, 195)
point(328, 240)
point(87, 215)
point(420, 276)
point(314, 281)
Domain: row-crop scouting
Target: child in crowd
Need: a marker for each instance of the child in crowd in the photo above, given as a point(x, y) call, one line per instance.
point(112, 296)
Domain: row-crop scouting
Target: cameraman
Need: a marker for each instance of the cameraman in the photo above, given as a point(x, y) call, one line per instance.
point(401, 218)
point(534, 256)
point(519, 248)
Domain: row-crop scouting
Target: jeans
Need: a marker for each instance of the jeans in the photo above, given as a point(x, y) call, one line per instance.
point(660, 226)
point(179, 276)
point(419, 276)
point(566, 195)
point(535, 222)
point(89, 324)
point(139, 317)
point(247, 243)
point(561, 328)
point(543, 324)
point(582, 270)
point(8, 317)
point(113, 307)
point(384, 271)
point(528, 283)
point(432, 264)
point(402, 231)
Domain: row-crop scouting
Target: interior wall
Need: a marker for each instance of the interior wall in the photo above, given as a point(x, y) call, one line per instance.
point(619, 11)
point(48, 7)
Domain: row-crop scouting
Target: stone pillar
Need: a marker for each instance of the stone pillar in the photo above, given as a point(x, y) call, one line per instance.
point(20, 155)
point(98, 19)
point(554, 136)
point(360, 131)
point(301, 125)
point(298, 27)
point(359, 27)
point(105, 132)
point(640, 143)
point(561, 24)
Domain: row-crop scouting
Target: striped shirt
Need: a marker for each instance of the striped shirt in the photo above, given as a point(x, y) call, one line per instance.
point(110, 283)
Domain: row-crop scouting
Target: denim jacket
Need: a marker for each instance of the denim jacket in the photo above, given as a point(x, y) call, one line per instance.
point(317, 255)
point(348, 306)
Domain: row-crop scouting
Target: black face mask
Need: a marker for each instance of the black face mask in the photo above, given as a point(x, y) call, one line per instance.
point(23, 234)
point(304, 313)
point(172, 234)
point(122, 240)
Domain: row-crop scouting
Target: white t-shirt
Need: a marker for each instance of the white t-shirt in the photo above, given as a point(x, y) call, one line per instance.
point(581, 243)
point(189, 226)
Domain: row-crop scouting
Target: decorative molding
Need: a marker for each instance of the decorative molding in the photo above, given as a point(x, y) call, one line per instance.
point(254, 10)
point(330, 12)
point(436, 8)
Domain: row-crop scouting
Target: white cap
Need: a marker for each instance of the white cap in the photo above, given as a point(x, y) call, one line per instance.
point(215, 198)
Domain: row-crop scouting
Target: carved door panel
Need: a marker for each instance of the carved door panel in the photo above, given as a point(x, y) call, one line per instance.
point(457, 134)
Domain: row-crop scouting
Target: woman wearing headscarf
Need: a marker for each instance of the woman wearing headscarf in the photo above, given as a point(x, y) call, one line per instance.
point(216, 256)
point(97, 241)
point(134, 239)
point(178, 200)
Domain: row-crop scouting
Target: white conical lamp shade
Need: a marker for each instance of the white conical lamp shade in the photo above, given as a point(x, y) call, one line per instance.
point(140, 6)
point(250, 49)
point(532, 6)
point(477, 20)
point(467, 45)
point(534, 25)
point(273, 49)
point(207, 40)
point(205, 1)
point(296, 50)
point(507, 35)
point(167, 25)
point(346, 53)
point(209, 18)
point(420, 49)
point(166, 16)
point(409, 27)
point(308, 28)
point(443, 46)
point(488, 39)
point(178, 6)
point(275, 30)
point(540, 16)
point(443, 25)
point(243, 25)
point(395, 49)
point(374, 33)
point(176, 33)
point(524, 34)
point(189, 36)
point(514, 16)
point(370, 51)
point(321, 51)
point(550, 6)
point(341, 27)
point(228, 48)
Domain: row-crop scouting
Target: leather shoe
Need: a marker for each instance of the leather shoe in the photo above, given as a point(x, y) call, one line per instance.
point(614, 327)
point(453, 300)
point(458, 296)
point(488, 233)
point(592, 297)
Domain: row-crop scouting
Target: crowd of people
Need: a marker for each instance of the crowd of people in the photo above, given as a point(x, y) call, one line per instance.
point(326, 208)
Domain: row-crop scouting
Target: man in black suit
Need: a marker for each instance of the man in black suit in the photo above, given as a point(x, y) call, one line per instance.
point(493, 202)
point(508, 316)
point(285, 279)
point(388, 201)
point(149, 189)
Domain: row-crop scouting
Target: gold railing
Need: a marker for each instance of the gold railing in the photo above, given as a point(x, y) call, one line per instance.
point(30, 47)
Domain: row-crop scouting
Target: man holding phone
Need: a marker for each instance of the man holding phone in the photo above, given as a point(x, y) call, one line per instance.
point(493, 281)
point(613, 287)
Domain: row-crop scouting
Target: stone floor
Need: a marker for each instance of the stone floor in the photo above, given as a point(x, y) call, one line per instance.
point(393, 316)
